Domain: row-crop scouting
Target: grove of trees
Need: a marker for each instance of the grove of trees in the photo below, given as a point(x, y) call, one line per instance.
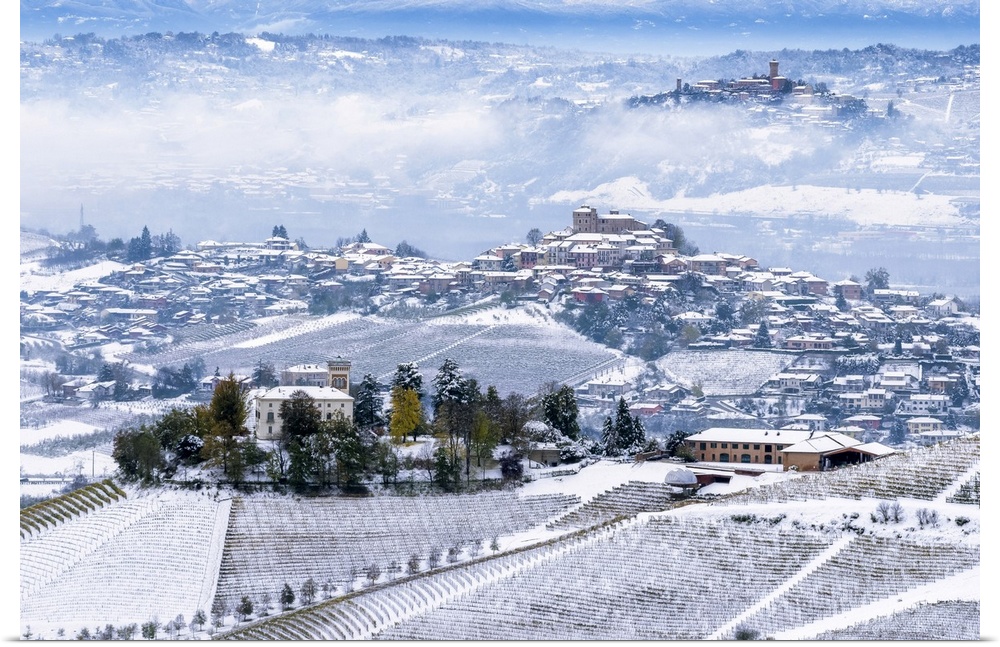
point(467, 425)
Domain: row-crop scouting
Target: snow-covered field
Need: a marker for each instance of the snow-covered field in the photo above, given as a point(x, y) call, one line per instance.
point(34, 279)
point(815, 566)
point(723, 372)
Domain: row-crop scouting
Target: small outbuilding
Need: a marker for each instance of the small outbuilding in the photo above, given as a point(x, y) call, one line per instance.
point(682, 477)
point(828, 450)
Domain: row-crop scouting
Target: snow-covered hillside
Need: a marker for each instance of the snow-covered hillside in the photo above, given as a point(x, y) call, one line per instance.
point(804, 565)
point(34, 279)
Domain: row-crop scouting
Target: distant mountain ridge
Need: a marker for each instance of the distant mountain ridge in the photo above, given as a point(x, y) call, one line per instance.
point(590, 22)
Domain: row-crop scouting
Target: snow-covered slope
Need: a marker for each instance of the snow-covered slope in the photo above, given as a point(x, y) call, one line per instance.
point(806, 565)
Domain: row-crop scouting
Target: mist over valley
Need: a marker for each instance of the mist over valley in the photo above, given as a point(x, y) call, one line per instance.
point(456, 146)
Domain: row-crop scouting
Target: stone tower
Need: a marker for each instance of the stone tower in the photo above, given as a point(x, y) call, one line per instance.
point(339, 374)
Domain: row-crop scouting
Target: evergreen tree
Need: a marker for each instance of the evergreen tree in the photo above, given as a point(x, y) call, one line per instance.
point(287, 597)
point(351, 451)
point(511, 467)
point(174, 426)
point(308, 591)
point(609, 437)
point(264, 376)
point(245, 608)
point(560, 411)
point(446, 469)
point(638, 435)
point(406, 250)
point(228, 404)
point(959, 392)
point(408, 376)
point(145, 244)
point(150, 628)
point(106, 374)
point(676, 234)
point(624, 434)
point(762, 339)
point(368, 403)
point(228, 413)
point(897, 432)
point(299, 416)
point(877, 278)
point(132, 253)
point(279, 231)
point(674, 444)
point(138, 455)
point(166, 244)
point(449, 387)
point(624, 427)
point(363, 237)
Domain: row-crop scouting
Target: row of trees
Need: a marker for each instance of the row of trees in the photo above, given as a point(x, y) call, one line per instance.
point(467, 423)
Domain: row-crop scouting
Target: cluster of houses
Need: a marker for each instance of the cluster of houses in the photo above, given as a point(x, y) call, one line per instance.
point(864, 412)
point(598, 258)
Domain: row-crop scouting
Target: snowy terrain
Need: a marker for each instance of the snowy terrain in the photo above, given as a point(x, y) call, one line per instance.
point(724, 372)
point(34, 279)
point(184, 542)
point(865, 207)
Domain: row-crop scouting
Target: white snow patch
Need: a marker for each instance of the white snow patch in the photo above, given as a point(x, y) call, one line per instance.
point(261, 44)
point(865, 207)
point(60, 428)
point(34, 282)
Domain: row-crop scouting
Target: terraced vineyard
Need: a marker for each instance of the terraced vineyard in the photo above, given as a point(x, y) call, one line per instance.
point(958, 618)
point(919, 474)
point(795, 559)
point(50, 513)
point(273, 541)
point(512, 357)
point(625, 500)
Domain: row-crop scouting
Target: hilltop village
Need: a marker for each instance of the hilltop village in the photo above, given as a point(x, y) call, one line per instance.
point(866, 363)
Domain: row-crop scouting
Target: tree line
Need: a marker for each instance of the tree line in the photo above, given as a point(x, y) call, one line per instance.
point(467, 423)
